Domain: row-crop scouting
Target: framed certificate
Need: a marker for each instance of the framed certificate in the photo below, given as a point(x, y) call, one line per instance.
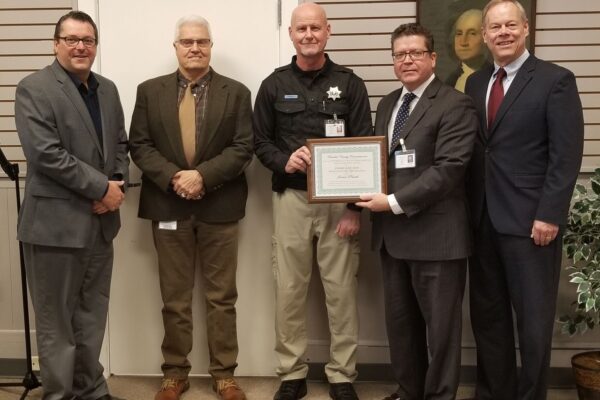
point(344, 168)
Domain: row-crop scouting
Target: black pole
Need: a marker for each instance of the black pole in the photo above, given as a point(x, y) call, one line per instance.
point(30, 380)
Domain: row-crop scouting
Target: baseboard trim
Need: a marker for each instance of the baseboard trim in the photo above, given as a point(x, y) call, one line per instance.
point(558, 377)
point(12, 367)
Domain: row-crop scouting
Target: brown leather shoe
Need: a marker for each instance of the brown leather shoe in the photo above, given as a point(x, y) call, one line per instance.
point(172, 388)
point(228, 389)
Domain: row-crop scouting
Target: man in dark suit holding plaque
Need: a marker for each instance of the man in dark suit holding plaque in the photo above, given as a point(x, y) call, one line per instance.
point(525, 164)
point(421, 228)
point(311, 98)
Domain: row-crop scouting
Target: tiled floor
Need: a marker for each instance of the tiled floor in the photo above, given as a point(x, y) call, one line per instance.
point(143, 388)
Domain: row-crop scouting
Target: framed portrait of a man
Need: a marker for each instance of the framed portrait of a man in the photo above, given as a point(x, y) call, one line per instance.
point(456, 28)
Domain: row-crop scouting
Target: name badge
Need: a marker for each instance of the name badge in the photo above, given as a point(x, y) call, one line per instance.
point(168, 225)
point(405, 159)
point(335, 128)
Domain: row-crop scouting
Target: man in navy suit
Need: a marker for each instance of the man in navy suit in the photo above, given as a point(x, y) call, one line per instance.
point(524, 167)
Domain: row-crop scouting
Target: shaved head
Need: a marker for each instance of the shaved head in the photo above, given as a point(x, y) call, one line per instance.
point(313, 10)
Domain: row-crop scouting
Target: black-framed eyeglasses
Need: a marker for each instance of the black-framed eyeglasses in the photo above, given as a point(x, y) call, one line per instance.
point(73, 41)
point(413, 54)
point(187, 43)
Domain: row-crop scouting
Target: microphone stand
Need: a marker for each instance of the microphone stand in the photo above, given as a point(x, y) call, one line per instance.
point(30, 380)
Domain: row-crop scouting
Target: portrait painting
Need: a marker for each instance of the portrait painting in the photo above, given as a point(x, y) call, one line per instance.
point(458, 42)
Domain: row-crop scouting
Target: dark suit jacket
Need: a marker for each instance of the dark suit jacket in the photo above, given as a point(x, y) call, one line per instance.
point(434, 226)
point(223, 151)
point(67, 167)
point(525, 167)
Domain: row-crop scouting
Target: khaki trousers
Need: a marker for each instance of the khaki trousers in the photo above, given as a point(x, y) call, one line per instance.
point(212, 248)
point(297, 226)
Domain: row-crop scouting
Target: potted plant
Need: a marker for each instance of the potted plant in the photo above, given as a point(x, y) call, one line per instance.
point(581, 243)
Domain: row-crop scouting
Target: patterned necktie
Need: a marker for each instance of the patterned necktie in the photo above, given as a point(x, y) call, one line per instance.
point(187, 122)
point(496, 96)
point(401, 118)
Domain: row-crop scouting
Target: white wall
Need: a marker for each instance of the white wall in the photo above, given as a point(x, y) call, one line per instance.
point(136, 44)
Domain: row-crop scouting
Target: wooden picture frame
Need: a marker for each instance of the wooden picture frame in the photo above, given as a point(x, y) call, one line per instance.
point(344, 168)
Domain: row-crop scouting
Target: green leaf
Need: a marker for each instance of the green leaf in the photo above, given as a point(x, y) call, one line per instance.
point(576, 280)
point(584, 287)
point(595, 276)
point(590, 305)
point(595, 186)
point(586, 251)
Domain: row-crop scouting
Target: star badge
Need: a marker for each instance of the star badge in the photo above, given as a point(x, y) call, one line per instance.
point(334, 93)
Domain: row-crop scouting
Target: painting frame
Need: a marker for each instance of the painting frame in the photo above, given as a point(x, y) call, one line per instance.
point(442, 27)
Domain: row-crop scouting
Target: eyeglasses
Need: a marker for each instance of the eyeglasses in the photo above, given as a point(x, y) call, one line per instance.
point(187, 43)
point(414, 55)
point(73, 41)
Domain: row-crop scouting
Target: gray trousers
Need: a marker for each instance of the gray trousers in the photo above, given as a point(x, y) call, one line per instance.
point(69, 289)
point(423, 312)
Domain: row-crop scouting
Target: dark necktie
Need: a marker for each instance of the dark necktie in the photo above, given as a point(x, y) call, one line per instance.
point(401, 118)
point(496, 96)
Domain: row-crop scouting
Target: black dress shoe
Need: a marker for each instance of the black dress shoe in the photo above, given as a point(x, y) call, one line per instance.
point(293, 389)
point(342, 391)
point(105, 397)
point(393, 396)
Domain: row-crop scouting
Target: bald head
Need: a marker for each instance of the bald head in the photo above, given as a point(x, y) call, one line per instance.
point(309, 32)
point(308, 10)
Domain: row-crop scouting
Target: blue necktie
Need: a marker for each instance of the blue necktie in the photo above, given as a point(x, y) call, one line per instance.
point(401, 118)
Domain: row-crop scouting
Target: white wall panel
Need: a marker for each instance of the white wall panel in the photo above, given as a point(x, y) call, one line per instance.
point(383, 25)
point(66, 4)
point(29, 47)
point(567, 37)
point(32, 63)
point(557, 21)
point(30, 16)
point(367, 10)
point(9, 139)
point(572, 52)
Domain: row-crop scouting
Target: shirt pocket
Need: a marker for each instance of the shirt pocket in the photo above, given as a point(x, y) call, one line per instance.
point(337, 108)
point(288, 114)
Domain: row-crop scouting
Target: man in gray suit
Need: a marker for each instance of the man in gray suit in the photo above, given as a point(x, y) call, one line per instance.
point(421, 227)
point(71, 127)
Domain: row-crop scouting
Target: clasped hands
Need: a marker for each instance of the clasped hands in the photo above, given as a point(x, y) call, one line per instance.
point(112, 200)
point(188, 184)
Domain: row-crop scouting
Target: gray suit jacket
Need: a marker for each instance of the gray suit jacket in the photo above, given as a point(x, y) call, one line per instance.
point(224, 150)
point(441, 129)
point(67, 167)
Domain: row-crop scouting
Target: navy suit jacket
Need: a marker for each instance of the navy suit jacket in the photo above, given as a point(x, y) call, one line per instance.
point(525, 166)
